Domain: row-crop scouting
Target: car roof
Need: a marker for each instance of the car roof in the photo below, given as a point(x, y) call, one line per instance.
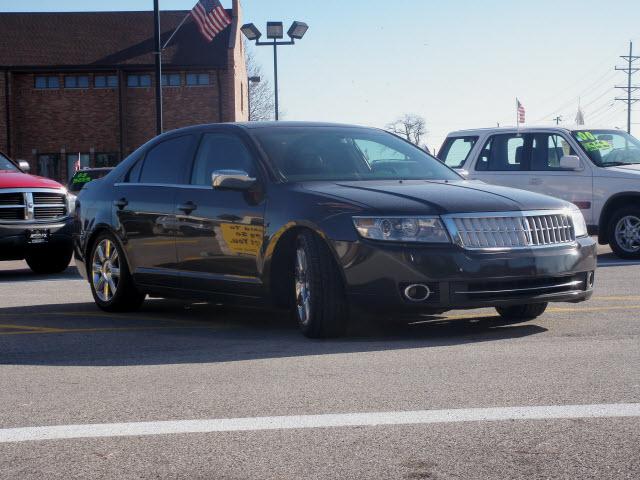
point(271, 124)
point(527, 129)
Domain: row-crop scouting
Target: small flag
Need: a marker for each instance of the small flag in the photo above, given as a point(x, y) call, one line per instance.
point(520, 108)
point(579, 117)
point(76, 165)
point(211, 18)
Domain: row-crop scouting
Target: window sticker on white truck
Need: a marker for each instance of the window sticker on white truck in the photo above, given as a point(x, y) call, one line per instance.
point(590, 143)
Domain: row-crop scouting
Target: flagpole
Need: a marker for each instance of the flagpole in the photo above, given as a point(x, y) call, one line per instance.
point(176, 30)
point(158, 69)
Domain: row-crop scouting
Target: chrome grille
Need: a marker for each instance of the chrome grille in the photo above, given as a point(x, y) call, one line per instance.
point(25, 205)
point(40, 213)
point(13, 213)
point(510, 229)
point(48, 198)
point(12, 199)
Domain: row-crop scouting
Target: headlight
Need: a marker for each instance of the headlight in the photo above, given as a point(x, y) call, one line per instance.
point(71, 203)
point(402, 229)
point(579, 225)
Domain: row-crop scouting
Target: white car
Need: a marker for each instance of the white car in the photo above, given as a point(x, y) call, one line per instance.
point(596, 169)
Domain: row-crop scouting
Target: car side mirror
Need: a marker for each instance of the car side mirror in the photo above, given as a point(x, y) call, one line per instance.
point(24, 166)
point(570, 162)
point(232, 180)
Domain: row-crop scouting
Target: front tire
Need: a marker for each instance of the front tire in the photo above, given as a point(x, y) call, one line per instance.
point(111, 282)
point(320, 304)
point(49, 260)
point(522, 312)
point(624, 233)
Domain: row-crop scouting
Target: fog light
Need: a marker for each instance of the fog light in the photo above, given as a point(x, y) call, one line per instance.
point(591, 276)
point(417, 292)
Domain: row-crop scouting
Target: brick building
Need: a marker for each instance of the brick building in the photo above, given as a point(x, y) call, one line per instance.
point(83, 83)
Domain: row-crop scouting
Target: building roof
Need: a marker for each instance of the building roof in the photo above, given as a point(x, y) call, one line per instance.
point(104, 39)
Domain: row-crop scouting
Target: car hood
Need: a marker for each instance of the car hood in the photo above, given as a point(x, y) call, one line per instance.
point(435, 197)
point(23, 180)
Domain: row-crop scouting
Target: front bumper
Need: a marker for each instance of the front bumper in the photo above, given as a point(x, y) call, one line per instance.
point(14, 240)
point(377, 274)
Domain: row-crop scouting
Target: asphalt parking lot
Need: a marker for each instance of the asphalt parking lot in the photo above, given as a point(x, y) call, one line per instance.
point(455, 396)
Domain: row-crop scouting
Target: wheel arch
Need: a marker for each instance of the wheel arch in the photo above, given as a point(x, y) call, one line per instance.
point(615, 202)
point(278, 259)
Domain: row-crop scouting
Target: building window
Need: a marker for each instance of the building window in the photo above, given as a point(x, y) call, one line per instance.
point(139, 81)
point(170, 79)
point(105, 81)
point(106, 159)
point(195, 79)
point(76, 81)
point(72, 162)
point(47, 81)
point(48, 165)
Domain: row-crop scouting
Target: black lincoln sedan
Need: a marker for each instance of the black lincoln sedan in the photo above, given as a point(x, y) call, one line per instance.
point(318, 219)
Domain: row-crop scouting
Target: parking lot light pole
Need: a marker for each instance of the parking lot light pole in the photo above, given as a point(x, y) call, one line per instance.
point(275, 32)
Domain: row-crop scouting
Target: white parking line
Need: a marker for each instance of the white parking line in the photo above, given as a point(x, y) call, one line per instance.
point(319, 421)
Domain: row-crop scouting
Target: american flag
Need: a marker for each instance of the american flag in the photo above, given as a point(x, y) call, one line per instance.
point(211, 18)
point(520, 108)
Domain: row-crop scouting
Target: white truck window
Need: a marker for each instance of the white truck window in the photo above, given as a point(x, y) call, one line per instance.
point(455, 151)
point(546, 151)
point(502, 153)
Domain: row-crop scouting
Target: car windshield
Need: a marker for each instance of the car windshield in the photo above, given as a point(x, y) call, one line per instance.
point(329, 153)
point(82, 177)
point(608, 148)
point(6, 164)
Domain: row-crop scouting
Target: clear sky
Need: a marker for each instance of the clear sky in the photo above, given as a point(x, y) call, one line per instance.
point(459, 64)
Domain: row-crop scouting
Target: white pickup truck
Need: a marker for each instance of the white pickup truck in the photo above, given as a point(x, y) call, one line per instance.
point(596, 169)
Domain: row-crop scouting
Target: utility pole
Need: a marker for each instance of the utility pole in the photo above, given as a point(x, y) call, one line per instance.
point(629, 69)
point(558, 119)
point(158, 53)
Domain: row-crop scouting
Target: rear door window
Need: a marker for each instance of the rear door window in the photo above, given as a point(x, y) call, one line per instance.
point(503, 153)
point(546, 151)
point(220, 151)
point(455, 151)
point(167, 162)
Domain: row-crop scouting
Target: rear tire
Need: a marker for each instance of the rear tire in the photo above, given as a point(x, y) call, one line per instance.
point(111, 283)
point(522, 312)
point(624, 233)
point(49, 260)
point(320, 304)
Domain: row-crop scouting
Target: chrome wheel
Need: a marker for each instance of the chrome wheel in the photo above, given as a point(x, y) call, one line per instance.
point(105, 270)
point(627, 233)
point(303, 289)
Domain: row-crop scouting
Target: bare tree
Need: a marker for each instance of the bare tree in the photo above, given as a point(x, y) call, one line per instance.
point(261, 100)
point(410, 126)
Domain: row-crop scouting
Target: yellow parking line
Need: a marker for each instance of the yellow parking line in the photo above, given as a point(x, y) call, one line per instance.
point(97, 330)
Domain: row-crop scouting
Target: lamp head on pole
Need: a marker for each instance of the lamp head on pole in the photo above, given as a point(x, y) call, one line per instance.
point(297, 30)
point(275, 30)
point(251, 31)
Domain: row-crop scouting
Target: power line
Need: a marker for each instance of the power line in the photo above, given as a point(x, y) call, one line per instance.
point(629, 70)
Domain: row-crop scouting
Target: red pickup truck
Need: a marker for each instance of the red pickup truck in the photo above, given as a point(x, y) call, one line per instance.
point(35, 219)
